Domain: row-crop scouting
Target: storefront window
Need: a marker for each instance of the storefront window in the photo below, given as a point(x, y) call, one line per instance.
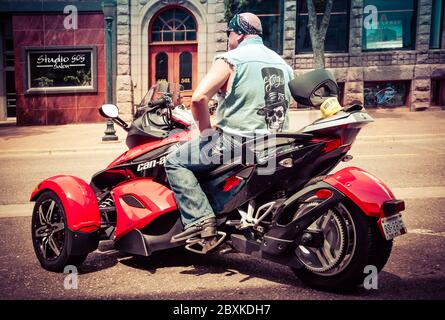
point(338, 30)
point(10, 93)
point(437, 16)
point(59, 69)
point(271, 16)
point(8, 66)
point(386, 94)
point(173, 25)
point(438, 92)
point(394, 26)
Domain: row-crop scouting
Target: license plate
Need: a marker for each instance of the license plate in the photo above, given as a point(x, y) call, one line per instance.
point(393, 226)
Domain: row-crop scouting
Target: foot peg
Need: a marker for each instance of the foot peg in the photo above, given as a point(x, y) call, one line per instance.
point(204, 245)
point(205, 229)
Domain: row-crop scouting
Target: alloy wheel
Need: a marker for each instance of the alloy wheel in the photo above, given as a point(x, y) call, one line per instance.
point(49, 229)
point(339, 240)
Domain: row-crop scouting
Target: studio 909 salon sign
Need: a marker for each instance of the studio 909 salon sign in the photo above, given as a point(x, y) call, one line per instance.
point(60, 70)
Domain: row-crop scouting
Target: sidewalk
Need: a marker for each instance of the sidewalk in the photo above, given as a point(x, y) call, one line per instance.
point(390, 125)
point(60, 139)
point(31, 140)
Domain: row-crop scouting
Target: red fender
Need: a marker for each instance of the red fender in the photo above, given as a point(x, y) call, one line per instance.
point(365, 190)
point(154, 200)
point(78, 199)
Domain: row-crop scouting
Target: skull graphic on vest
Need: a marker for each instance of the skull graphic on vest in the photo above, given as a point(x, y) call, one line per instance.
point(275, 104)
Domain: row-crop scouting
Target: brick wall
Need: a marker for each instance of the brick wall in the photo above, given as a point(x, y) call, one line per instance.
point(48, 30)
point(419, 65)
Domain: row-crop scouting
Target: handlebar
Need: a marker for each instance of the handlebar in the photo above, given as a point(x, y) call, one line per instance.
point(152, 106)
point(164, 102)
point(157, 103)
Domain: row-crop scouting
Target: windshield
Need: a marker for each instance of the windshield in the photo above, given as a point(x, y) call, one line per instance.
point(161, 88)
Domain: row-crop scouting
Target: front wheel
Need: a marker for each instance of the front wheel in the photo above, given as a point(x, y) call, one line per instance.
point(351, 242)
point(50, 234)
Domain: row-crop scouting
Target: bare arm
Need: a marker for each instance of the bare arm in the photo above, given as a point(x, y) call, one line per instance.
point(215, 79)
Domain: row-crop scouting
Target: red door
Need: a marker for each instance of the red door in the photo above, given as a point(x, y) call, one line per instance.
point(173, 49)
point(174, 63)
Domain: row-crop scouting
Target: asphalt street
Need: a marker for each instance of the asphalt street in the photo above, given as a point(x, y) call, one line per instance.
point(406, 151)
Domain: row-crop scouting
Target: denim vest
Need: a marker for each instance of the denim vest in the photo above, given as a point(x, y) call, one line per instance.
point(258, 101)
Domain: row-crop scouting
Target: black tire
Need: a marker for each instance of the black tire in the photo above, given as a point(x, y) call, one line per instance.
point(62, 239)
point(380, 249)
point(370, 249)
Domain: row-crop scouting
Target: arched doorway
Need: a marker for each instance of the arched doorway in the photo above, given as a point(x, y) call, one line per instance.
point(173, 49)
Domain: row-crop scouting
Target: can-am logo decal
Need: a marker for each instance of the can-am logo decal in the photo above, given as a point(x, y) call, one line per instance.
point(151, 164)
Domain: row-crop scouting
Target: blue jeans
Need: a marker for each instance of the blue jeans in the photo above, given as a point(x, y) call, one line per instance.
point(196, 156)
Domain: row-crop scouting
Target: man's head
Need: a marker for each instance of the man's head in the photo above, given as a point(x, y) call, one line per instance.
point(243, 26)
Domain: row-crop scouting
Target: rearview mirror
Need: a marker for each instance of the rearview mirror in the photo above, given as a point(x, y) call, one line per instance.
point(109, 111)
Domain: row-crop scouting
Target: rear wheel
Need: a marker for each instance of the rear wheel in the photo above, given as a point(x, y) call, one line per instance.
point(50, 235)
point(351, 242)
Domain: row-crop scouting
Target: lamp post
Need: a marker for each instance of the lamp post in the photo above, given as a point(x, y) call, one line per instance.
point(109, 10)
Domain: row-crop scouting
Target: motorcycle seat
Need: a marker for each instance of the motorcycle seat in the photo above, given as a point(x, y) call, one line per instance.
point(222, 169)
point(257, 149)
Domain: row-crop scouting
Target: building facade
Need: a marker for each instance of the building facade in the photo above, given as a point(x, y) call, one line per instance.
point(384, 53)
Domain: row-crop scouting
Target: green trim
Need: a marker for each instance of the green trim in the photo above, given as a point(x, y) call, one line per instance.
point(48, 6)
point(114, 61)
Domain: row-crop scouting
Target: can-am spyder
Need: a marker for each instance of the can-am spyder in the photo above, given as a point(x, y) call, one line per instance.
point(326, 226)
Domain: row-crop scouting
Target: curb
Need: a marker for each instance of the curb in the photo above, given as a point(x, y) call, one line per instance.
point(16, 210)
point(51, 152)
point(401, 138)
point(119, 147)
